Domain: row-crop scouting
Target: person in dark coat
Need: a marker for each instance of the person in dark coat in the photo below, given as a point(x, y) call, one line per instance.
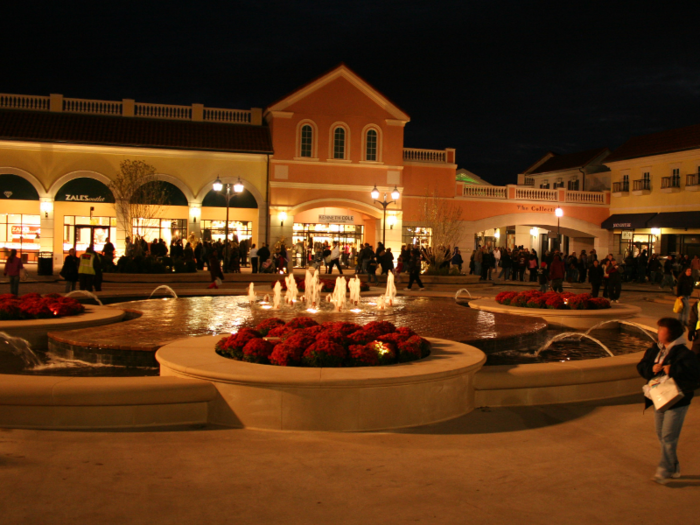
point(595, 276)
point(670, 357)
point(614, 281)
point(214, 268)
point(557, 272)
point(263, 255)
point(414, 267)
point(70, 270)
point(686, 285)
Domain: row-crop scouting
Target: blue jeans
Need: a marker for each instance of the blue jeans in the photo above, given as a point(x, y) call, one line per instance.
point(668, 429)
point(684, 316)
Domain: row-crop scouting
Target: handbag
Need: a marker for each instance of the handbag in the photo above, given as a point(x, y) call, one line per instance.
point(23, 274)
point(663, 392)
point(678, 305)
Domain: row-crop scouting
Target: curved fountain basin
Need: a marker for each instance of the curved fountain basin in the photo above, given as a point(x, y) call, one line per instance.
point(555, 383)
point(577, 319)
point(36, 331)
point(437, 388)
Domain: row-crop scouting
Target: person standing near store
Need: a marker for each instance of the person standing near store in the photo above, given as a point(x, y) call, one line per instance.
point(334, 259)
point(614, 281)
point(13, 270)
point(557, 272)
point(86, 269)
point(595, 276)
point(70, 270)
point(670, 357)
point(97, 265)
point(263, 255)
point(254, 258)
point(684, 290)
point(668, 274)
point(414, 268)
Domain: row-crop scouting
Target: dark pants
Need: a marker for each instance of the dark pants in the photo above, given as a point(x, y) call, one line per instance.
point(521, 273)
point(86, 281)
point(615, 290)
point(595, 288)
point(98, 282)
point(254, 264)
point(14, 284)
point(582, 274)
point(334, 262)
point(414, 276)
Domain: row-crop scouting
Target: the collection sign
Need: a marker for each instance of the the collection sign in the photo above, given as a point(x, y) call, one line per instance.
point(538, 209)
point(337, 219)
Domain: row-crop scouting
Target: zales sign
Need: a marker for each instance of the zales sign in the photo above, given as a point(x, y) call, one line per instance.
point(84, 198)
point(337, 219)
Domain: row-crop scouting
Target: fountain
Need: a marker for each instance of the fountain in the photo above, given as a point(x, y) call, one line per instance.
point(459, 292)
point(390, 293)
point(312, 287)
point(355, 286)
point(166, 288)
point(86, 294)
point(277, 295)
point(339, 293)
point(620, 321)
point(251, 293)
point(291, 296)
point(567, 335)
point(381, 302)
point(20, 347)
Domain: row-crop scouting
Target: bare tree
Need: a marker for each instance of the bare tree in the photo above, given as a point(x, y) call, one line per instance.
point(444, 219)
point(138, 194)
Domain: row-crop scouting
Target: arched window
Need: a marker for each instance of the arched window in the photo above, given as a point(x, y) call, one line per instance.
point(339, 143)
point(306, 141)
point(371, 145)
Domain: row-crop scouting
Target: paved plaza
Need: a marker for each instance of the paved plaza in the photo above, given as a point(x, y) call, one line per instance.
point(583, 463)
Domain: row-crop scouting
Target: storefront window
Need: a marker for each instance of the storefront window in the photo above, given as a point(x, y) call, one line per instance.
point(417, 236)
point(237, 230)
point(166, 229)
point(21, 232)
point(80, 232)
point(309, 238)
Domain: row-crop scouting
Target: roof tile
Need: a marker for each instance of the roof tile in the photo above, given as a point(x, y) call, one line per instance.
point(657, 143)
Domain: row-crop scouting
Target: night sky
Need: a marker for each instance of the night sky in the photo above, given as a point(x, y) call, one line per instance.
point(501, 81)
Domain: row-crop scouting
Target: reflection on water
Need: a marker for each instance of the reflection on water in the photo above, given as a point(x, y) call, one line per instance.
point(53, 365)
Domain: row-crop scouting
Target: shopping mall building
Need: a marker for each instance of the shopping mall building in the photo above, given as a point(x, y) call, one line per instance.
point(308, 165)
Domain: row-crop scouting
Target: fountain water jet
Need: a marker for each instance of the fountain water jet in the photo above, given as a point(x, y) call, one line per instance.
point(390, 293)
point(291, 296)
point(251, 293)
point(621, 321)
point(355, 286)
point(86, 294)
point(20, 347)
point(277, 295)
point(312, 288)
point(339, 293)
point(568, 335)
point(459, 292)
point(166, 288)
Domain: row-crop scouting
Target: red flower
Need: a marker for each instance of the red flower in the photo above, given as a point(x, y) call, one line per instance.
point(301, 322)
point(396, 338)
point(280, 331)
point(268, 324)
point(257, 351)
point(383, 327)
point(345, 328)
point(405, 330)
point(324, 353)
point(290, 352)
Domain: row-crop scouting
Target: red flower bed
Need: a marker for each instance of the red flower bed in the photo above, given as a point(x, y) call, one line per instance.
point(303, 342)
point(553, 300)
point(34, 306)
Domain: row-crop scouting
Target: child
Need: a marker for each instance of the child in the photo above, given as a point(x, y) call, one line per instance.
point(542, 276)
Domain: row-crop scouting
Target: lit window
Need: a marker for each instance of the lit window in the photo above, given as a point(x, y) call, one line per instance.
point(306, 138)
point(371, 145)
point(339, 143)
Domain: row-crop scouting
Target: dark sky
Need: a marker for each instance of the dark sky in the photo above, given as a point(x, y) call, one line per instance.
point(500, 81)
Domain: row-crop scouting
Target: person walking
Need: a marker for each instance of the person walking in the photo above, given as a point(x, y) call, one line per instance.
point(557, 272)
point(684, 290)
point(478, 258)
point(670, 357)
point(70, 270)
point(414, 267)
point(614, 281)
point(214, 269)
point(668, 274)
point(372, 270)
point(457, 260)
point(542, 277)
point(263, 255)
point(13, 270)
point(254, 258)
point(334, 259)
point(595, 276)
point(86, 270)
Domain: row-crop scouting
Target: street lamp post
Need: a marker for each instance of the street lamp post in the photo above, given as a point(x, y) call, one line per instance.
point(394, 195)
point(237, 188)
point(559, 213)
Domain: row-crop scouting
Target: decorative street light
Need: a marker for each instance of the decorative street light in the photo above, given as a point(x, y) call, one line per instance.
point(237, 188)
point(394, 195)
point(559, 213)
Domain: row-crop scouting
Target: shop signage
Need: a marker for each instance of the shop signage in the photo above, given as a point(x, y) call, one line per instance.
point(26, 232)
point(539, 209)
point(622, 224)
point(337, 219)
point(84, 198)
point(84, 190)
point(627, 236)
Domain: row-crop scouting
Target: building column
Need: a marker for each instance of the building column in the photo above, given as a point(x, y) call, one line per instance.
point(281, 225)
point(523, 237)
point(47, 230)
point(195, 219)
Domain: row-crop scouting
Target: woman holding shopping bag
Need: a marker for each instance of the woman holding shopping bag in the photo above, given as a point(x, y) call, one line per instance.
point(672, 359)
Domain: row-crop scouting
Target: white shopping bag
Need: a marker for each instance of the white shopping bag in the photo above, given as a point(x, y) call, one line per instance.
point(663, 391)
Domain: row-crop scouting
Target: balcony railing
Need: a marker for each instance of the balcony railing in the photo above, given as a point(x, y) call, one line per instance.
point(692, 179)
point(519, 193)
point(425, 155)
point(129, 108)
point(621, 187)
point(642, 185)
point(671, 182)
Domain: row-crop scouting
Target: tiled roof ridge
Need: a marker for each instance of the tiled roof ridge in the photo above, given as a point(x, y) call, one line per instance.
point(666, 141)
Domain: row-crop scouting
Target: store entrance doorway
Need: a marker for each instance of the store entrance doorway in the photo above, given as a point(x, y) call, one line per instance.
point(86, 235)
